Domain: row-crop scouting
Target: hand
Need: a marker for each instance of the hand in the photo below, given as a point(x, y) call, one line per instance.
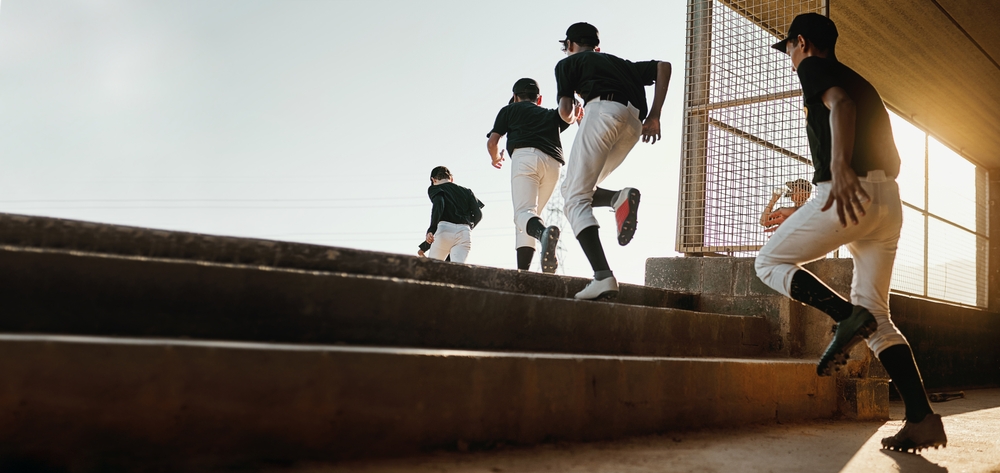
point(776, 218)
point(651, 130)
point(498, 160)
point(577, 112)
point(847, 193)
point(420, 253)
point(430, 237)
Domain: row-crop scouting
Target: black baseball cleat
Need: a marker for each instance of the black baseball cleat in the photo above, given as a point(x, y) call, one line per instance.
point(626, 206)
point(849, 332)
point(917, 436)
point(550, 239)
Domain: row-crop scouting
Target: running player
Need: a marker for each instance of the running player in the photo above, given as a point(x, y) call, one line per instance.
point(455, 213)
point(856, 164)
point(535, 154)
point(613, 90)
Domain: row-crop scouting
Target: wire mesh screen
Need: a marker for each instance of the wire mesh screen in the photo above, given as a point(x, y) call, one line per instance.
point(744, 133)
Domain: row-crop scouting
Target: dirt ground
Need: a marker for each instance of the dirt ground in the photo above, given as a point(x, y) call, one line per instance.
point(973, 427)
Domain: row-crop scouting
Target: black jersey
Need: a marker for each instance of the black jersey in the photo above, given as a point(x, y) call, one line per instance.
point(592, 74)
point(529, 126)
point(453, 203)
point(874, 147)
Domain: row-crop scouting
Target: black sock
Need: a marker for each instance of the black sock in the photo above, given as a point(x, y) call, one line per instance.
point(603, 198)
point(807, 289)
point(590, 241)
point(524, 255)
point(899, 363)
point(535, 227)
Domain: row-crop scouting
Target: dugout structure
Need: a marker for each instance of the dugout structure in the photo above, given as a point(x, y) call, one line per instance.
point(743, 122)
point(744, 131)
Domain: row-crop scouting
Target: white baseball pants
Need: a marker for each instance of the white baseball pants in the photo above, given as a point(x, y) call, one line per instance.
point(809, 234)
point(451, 238)
point(533, 176)
point(608, 132)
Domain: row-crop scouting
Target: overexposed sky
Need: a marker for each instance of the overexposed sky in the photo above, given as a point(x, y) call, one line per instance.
point(305, 120)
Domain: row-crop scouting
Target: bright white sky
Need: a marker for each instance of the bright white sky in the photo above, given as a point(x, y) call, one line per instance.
point(319, 120)
point(315, 121)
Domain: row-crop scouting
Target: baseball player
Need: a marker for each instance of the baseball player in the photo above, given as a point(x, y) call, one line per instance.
point(856, 163)
point(454, 214)
point(798, 191)
point(613, 90)
point(535, 154)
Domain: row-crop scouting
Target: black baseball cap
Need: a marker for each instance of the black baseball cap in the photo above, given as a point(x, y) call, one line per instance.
point(582, 33)
point(524, 86)
point(812, 26)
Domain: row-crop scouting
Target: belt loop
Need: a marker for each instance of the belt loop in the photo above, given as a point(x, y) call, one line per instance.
point(876, 175)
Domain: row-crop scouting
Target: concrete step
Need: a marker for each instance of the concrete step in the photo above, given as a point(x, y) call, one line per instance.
point(51, 291)
point(52, 233)
point(99, 399)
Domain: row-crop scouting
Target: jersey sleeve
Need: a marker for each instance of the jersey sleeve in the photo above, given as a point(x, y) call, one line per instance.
point(646, 70)
point(500, 124)
point(567, 78)
point(817, 76)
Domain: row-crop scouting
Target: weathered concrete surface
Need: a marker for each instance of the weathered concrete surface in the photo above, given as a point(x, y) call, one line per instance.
point(863, 398)
point(955, 347)
point(60, 234)
point(819, 446)
point(60, 292)
point(731, 286)
point(98, 401)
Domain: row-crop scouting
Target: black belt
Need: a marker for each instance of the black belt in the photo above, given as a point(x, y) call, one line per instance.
point(612, 97)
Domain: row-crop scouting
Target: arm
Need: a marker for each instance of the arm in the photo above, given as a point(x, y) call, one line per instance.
point(651, 126)
point(846, 190)
point(767, 210)
point(492, 146)
point(477, 216)
point(436, 212)
point(568, 109)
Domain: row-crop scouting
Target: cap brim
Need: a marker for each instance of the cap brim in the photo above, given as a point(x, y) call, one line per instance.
point(780, 45)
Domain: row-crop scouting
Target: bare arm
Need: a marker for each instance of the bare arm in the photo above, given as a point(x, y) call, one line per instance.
point(567, 109)
point(651, 126)
point(846, 190)
point(492, 146)
point(767, 210)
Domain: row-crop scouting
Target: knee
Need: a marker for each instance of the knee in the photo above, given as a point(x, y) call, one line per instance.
point(763, 266)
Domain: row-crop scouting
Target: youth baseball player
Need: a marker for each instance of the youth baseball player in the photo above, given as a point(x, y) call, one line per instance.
point(856, 163)
point(613, 90)
point(454, 214)
point(535, 154)
point(798, 191)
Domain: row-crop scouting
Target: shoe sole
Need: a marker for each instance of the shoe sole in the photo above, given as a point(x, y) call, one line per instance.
point(827, 366)
point(917, 449)
point(604, 296)
point(549, 262)
point(631, 208)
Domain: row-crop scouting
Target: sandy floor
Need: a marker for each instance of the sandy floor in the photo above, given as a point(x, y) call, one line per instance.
point(973, 427)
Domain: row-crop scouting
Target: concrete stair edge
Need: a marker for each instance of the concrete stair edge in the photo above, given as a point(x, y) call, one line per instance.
point(129, 296)
point(74, 235)
point(223, 403)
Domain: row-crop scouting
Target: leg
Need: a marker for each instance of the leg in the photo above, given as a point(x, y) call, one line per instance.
point(524, 256)
point(597, 135)
point(463, 244)
point(443, 241)
point(524, 184)
point(807, 235)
